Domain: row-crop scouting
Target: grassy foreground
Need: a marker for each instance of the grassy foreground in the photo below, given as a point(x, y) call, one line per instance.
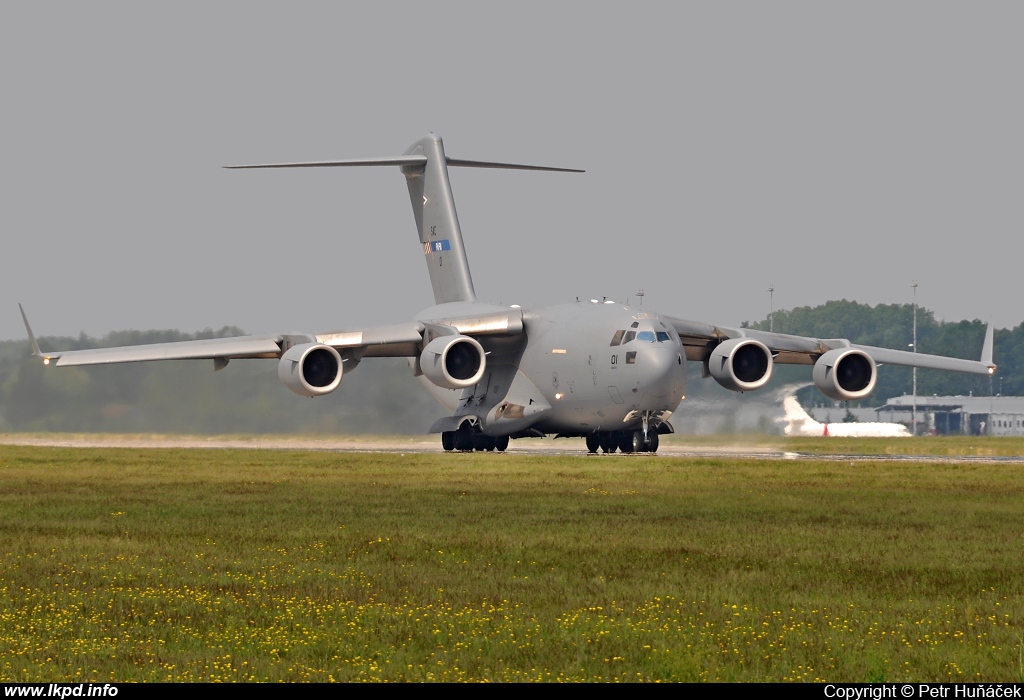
point(121, 564)
point(924, 446)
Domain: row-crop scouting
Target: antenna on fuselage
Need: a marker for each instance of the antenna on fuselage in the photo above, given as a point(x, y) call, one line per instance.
point(640, 293)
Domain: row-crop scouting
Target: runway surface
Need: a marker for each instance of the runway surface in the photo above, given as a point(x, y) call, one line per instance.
point(432, 444)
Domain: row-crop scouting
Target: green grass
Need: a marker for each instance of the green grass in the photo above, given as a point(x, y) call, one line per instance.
point(121, 564)
point(944, 446)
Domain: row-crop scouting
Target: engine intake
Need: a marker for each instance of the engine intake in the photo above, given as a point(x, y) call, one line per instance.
point(311, 369)
point(845, 374)
point(453, 361)
point(741, 364)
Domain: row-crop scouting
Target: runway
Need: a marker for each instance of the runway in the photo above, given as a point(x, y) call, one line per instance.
point(349, 443)
point(432, 445)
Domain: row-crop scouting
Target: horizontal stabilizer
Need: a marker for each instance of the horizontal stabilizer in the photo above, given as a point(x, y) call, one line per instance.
point(425, 167)
point(507, 166)
point(405, 161)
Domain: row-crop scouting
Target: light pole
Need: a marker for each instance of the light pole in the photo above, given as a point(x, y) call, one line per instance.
point(913, 410)
point(771, 307)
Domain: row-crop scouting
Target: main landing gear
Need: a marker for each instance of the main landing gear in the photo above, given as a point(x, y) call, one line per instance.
point(466, 440)
point(624, 440)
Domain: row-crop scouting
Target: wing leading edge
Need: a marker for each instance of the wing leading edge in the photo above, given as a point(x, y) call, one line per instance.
point(216, 348)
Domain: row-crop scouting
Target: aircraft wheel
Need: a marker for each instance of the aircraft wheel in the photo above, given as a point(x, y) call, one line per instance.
point(628, 442)
point(464, 439)
point(501, 444)
point(652, 440)
point(608, 443)
point(593, 442)
point(448, 440)
point(484, 443)
point(637, 442)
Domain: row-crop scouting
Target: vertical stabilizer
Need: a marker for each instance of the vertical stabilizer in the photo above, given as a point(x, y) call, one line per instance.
point(437, 222)
point(425, 167)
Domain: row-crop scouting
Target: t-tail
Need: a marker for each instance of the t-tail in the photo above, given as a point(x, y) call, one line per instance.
point(425, 167)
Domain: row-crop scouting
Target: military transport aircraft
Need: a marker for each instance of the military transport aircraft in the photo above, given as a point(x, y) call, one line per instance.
point(602, 370)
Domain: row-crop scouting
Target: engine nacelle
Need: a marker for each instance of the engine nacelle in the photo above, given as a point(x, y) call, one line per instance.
point(453, 361)
point(845, 374)
point(311, 369)
point(741, 364)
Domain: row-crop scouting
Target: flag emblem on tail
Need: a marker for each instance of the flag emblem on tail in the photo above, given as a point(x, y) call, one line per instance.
point(436, 246)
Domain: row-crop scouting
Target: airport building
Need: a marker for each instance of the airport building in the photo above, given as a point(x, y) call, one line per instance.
point(942, 415)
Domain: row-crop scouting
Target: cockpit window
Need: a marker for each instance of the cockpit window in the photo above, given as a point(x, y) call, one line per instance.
point(623, 337)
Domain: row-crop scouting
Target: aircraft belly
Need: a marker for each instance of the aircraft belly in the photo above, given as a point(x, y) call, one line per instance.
point(514, 405)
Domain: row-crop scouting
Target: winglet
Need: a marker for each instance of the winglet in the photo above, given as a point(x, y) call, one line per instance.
point(36, 352)
point(986, 351)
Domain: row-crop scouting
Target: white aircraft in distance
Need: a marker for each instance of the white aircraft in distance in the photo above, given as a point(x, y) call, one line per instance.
point(602, 370)
point(798, 422)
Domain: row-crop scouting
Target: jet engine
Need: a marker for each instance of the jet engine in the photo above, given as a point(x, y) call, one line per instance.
point(310, 369)
point(453, 361)
point(845, 374)
point(741, 364)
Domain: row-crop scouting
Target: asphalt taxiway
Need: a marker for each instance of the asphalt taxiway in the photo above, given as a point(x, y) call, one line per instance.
point(430, 444)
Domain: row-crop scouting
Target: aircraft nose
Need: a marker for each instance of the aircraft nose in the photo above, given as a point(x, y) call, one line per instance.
point(657, 368)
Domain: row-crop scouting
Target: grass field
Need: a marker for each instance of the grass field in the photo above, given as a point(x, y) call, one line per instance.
point(152, 564)
point(936, 446)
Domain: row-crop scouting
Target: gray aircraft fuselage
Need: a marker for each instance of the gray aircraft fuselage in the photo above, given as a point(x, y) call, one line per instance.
point(566, 374)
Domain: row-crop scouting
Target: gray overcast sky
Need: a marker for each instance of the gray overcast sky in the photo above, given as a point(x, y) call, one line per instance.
point(837, 150)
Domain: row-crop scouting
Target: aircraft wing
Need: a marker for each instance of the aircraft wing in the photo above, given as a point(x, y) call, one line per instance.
point(399, 340)
point(216, 348)
point(700, 339)
point(396, 340)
